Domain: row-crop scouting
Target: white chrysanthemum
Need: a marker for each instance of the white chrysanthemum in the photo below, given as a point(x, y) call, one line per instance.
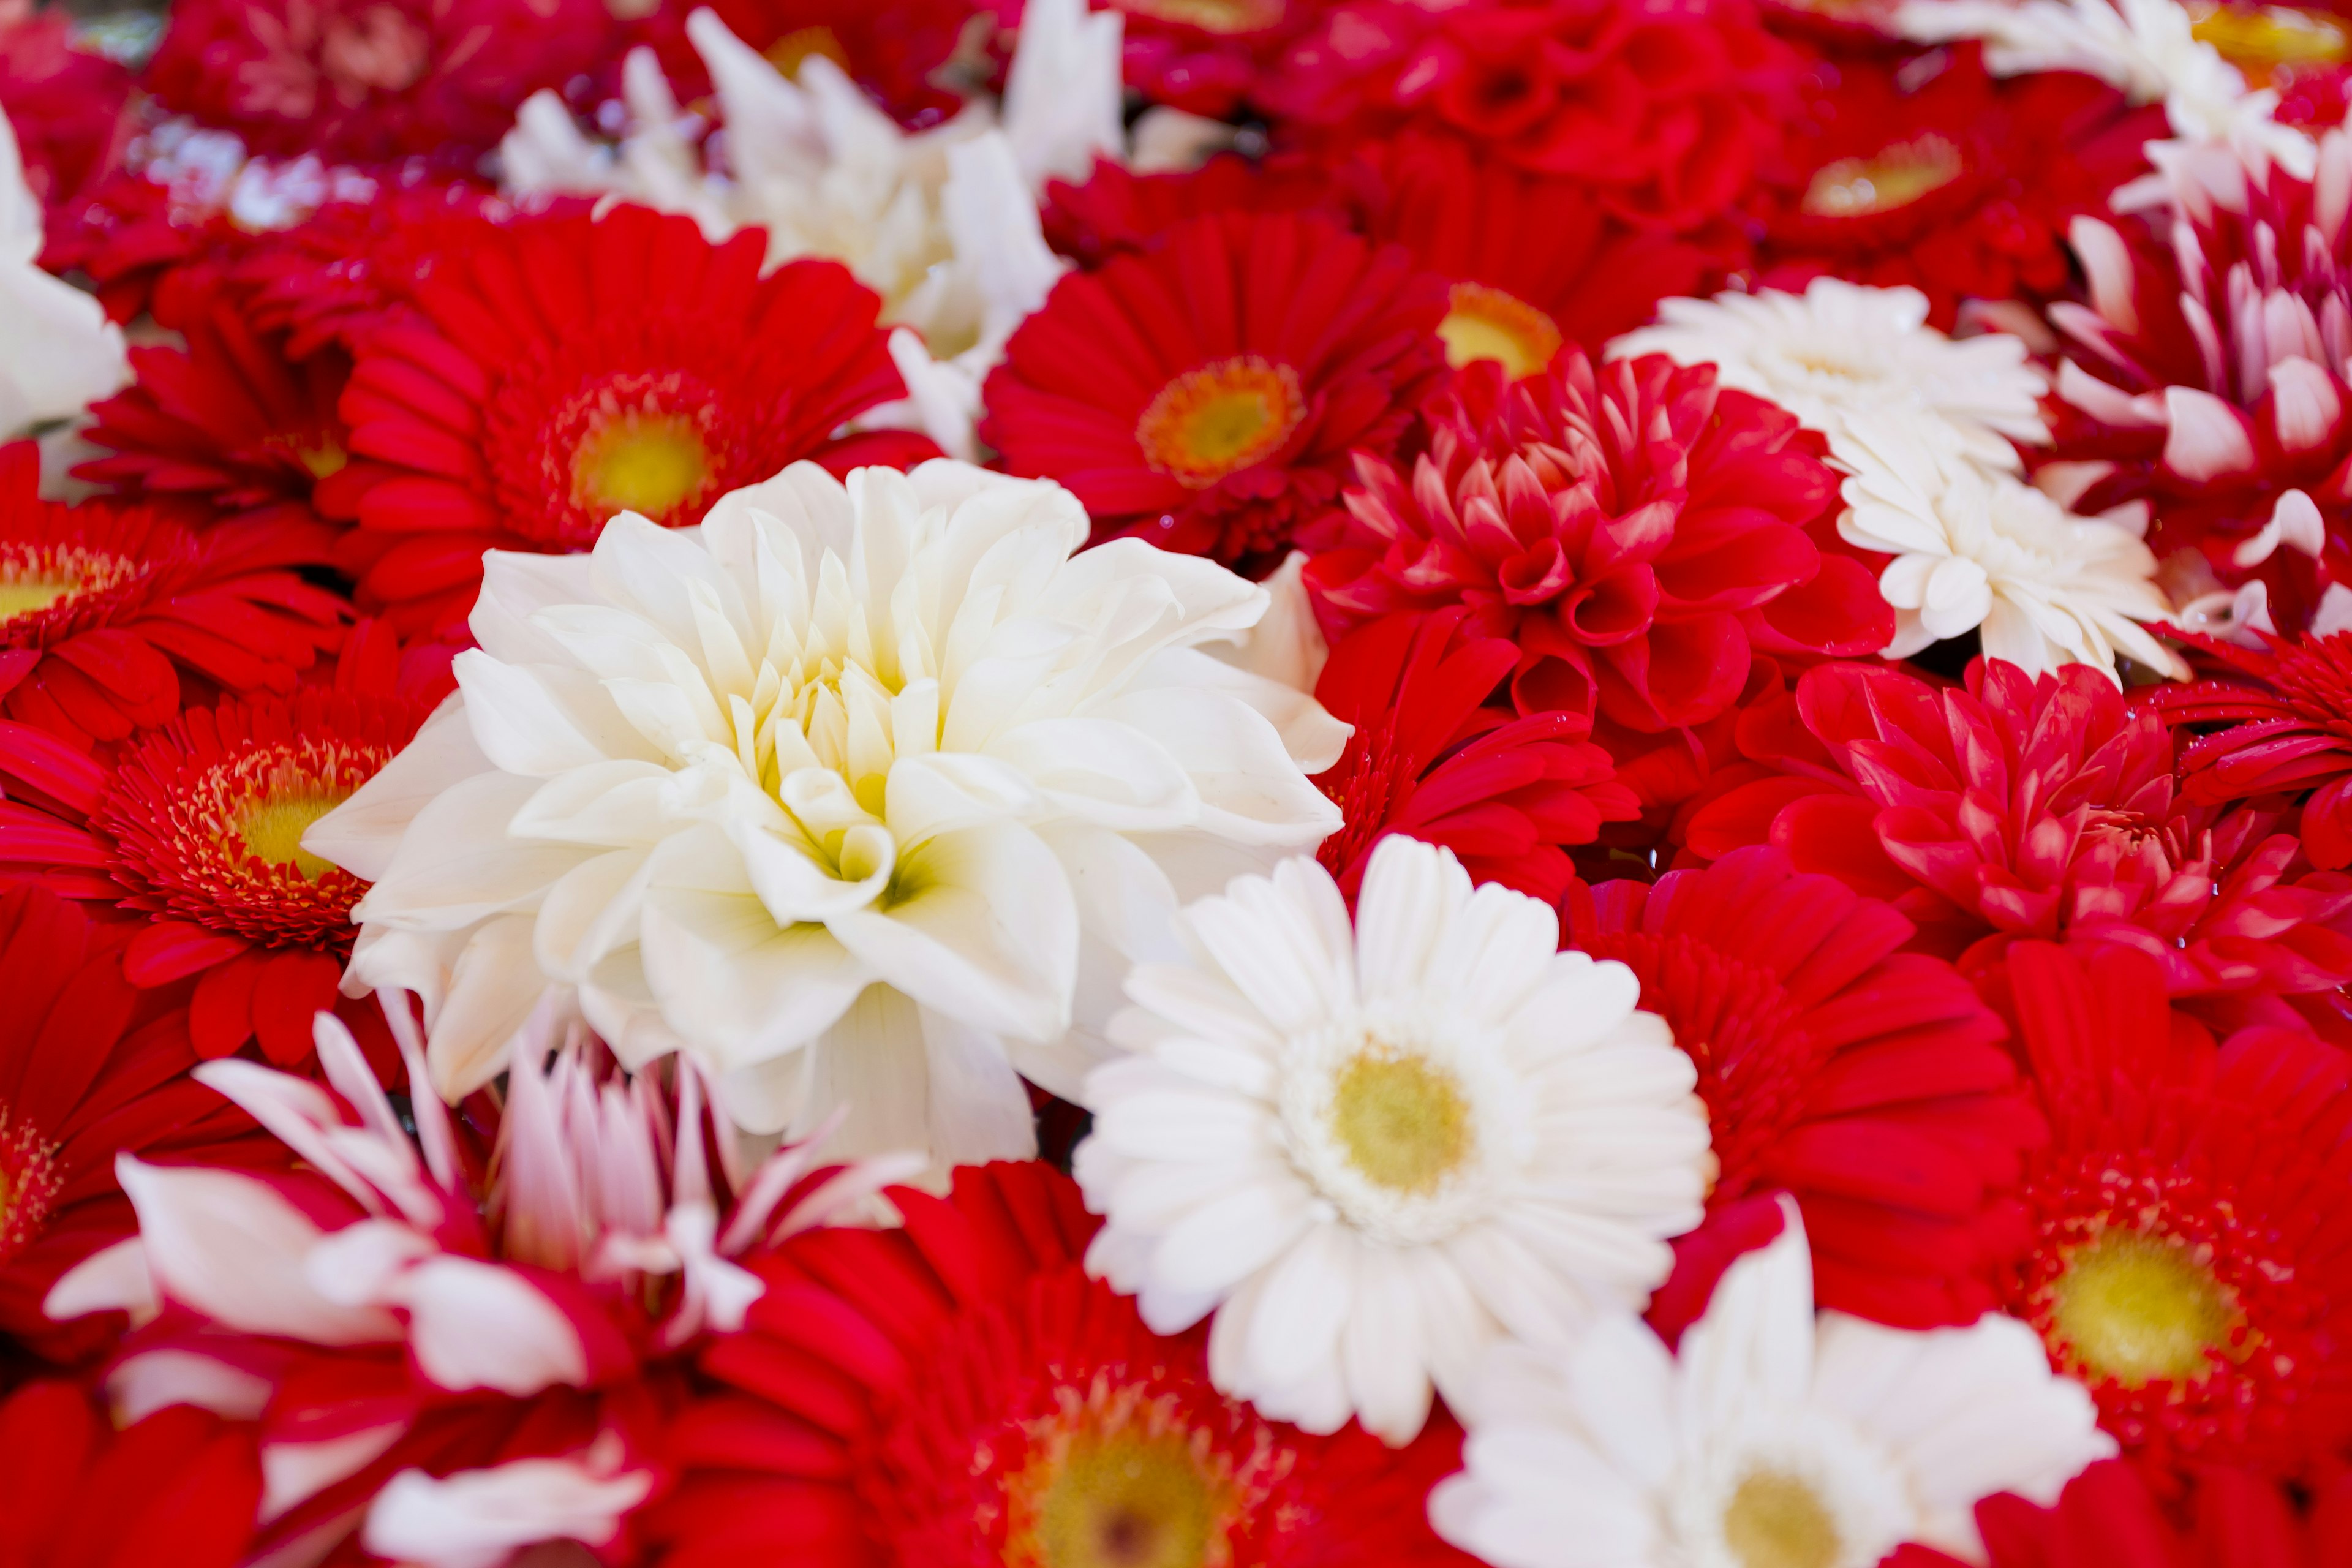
point(2148, 48)
point(1983, 551)
point(863, 793)
point(57, 351)
point(942, 224)
point(1775, 1436)
point(1374, 1152)
point(1841, 349)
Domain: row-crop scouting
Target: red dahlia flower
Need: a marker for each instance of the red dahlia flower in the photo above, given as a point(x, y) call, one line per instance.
point(111, 617)
point(2193, 1257)
point(1868, 1082)
point(1961, 188)
point(1665, 110)
point(1205, 395)
point(2026, 807)
point(2108, 1518)
point(382, 79)
point(90, 1066)
point(569, 369)
point(1430, 759)
point(1638, 530)
point(2288, 712)
point(2208, 380)
point(959, 1395)
point(181, 1486)
point(198, 827)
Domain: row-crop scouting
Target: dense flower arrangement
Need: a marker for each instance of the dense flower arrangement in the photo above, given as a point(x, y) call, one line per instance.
point(1176, 783)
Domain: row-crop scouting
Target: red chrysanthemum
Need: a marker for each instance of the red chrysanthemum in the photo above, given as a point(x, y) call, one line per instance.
point(893, 51)
point(67, 106)
point(959, 1395)
point(2108, 1516)
point(379, 79)
point(1430, 759)
point(1119, 210)
point(1208, 57)
point(1960, 186)
point(1205, 395)
point(1667, 110)
point(2026, 807)
point(232, 420)
point(568, 369)
point(1869, 1082)
point(2286, 712)
point(197, 826)
point(181, 1486)
point(2204, 384)
point(1535, 260)
point(2194, 1255)
point(1638, 531)
point(111, 617)
point(90, 1066)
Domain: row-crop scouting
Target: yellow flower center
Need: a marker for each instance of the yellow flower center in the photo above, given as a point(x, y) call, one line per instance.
point(1897, 176)
point(2141, 1308)
point(33, 580)
point(321, 460)
point(1119, 1481)
point(1776, 1520)
point(26, 594)
point(1404, 1124)
point(269, 826)
point(1220, 419)
point(1487, 323)
point(2260, 41)
point(640, 460)
point(1210, 16)
point(789, 53)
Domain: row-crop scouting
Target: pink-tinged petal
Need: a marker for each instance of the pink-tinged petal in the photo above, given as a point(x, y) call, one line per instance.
point(2103, 401)
point(2307, 406)
point(228, 1246)
point(149, 1381)
point(2295, 520)
point(111, 1279)
point(2107, 267)
point(2208, 439)
point(479, 1519)
point(293, 1473)
point(475, 1325)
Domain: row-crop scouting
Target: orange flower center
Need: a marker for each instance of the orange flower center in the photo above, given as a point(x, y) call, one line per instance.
point(1220, 419)
point(1487, 323)
point(644, 460)
point(2262, 41)
point(32, 580)
point(1118, 1479)
point(1896, 177)
point(2143, 1309)
point(29, 1184)
point(789, 53)
point(1227, 17)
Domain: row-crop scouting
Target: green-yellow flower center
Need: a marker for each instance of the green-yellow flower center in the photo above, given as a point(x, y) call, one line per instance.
point(1221, 418)
point(641, 460)
point(2141, 1308)
point(1487, 323)
point(1776, 1520)
point(269, 826)
point(1896, 177)
point(1403, 1122)
point(1121, 1482)
point(36, 579)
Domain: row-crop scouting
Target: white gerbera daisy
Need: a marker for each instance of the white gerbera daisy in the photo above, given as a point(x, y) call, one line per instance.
point(1774, 1437)
point(1841, 349)
point(1983, 551)
point(1375, 1152)
point(866, 795)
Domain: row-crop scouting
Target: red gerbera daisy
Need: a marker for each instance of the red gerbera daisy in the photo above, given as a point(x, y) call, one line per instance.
point(1430, 759)
point(959, 1395)
point(1534, 260)
point(90, 1066)
point(382, 79)
point(1959, 185)
point(232, 420)
point(2109, 1518)
point(2288, 712)
point(181, 1486)
point(574, 368)
point(1869, 1082)
point(111, 616)
point(1637, 530)
point(2026, 807)
point(1667, 110)
point(2194, 1255)
point(198, 825)
point(1205, 395)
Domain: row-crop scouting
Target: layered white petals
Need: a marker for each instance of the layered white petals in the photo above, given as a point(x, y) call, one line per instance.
point(1847, 1438)
point(874, 741)
point(1375, 1148)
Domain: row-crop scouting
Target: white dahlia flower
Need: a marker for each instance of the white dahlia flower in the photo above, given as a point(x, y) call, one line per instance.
point(1840, 350)
point(1976, 549)
point(1376, 1151)
point(1774, 1437)
point(865, 794)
